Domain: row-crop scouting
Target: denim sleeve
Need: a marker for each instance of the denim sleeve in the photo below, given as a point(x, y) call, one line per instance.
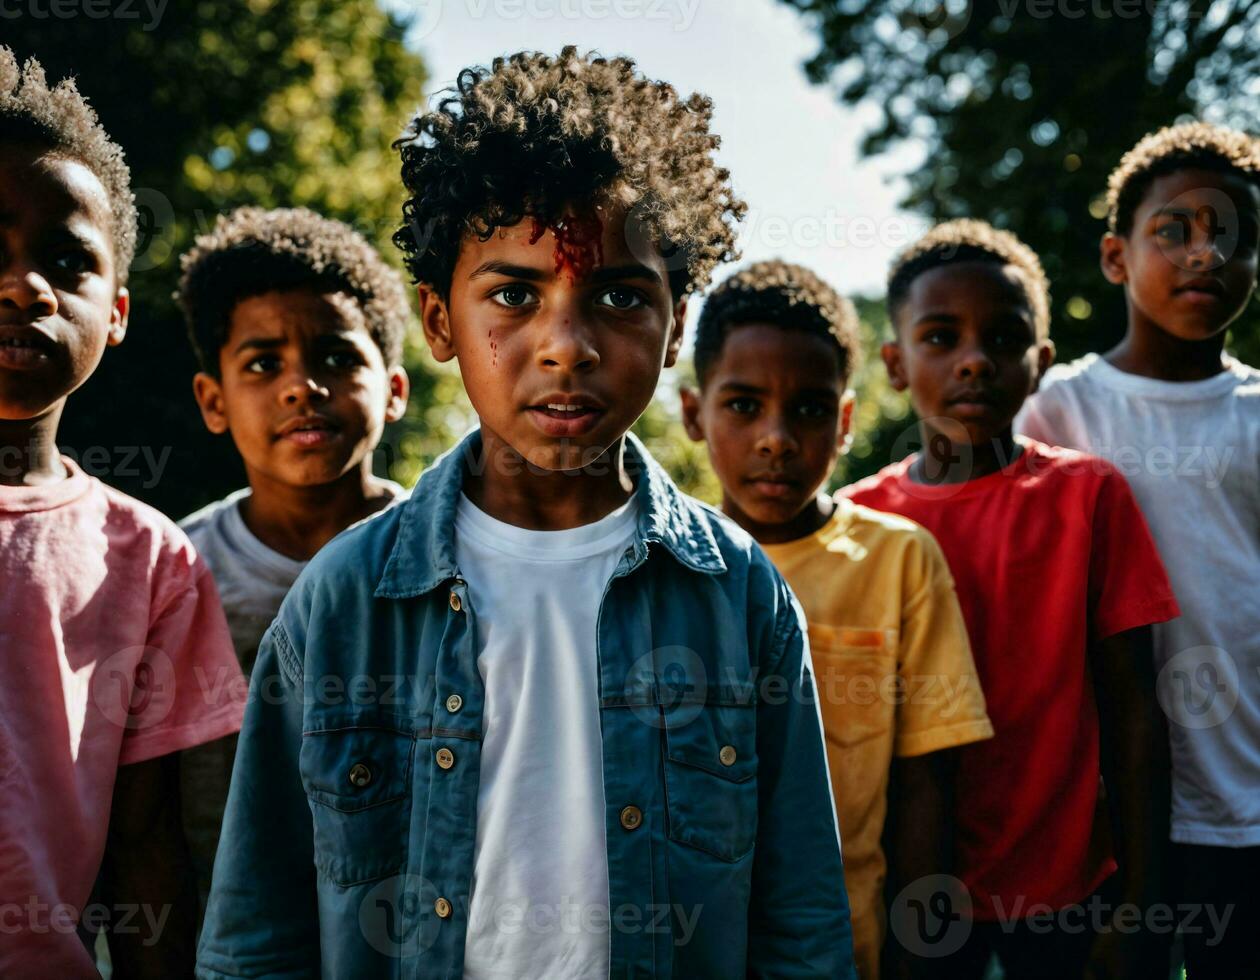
point(261, 919)
point(799, 914)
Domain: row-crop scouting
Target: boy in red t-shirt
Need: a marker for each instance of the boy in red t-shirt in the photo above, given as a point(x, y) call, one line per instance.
point(1059, 582)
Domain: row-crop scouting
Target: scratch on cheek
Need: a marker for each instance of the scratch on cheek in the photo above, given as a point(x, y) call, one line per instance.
point(494, 348)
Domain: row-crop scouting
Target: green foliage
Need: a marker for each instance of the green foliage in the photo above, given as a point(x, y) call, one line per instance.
point(1025, 106)
point(221, 104)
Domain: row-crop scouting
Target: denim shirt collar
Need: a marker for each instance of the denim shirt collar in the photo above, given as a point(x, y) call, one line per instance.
point(423, 556)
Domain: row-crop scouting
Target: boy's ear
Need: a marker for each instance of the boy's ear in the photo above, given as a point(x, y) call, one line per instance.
point(436, 323)
point(844, 438)
point(690, 399)
point(890, 351)
point(1112, 258)
point(209, 394)
point(676, 333)
point(399, 391)
point(118, 317)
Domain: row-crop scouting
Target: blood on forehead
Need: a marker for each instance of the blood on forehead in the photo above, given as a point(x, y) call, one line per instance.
point(579, 243)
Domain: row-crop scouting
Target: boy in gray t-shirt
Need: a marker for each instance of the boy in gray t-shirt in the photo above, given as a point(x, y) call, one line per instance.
point(298, 325)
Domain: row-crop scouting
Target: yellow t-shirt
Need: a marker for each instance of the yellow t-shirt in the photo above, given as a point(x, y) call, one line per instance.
point(894, 676)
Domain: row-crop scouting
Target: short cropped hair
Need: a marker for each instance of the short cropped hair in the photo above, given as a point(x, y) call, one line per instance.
point(1190, 146)
point(252, 251)
point(60, 120)
point(535, 135)
point(783, 295)
point(970, 240)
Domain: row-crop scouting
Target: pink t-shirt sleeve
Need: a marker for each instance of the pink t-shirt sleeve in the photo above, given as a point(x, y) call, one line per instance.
point(189, 688)
point(1128, 586)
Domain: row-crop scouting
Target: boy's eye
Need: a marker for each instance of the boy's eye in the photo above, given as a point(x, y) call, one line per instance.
point(620, 298)
point(937, 338)
point(1174, 232)
point(742, 405)
point(812, 410)
point(512, 296)
point(342, 359)
point(263, 364)
point(76, 262)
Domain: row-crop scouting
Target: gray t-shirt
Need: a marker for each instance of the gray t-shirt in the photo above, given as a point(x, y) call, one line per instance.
point(252, 580)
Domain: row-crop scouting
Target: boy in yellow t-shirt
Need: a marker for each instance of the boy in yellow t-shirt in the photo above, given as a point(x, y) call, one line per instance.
point(774, 351)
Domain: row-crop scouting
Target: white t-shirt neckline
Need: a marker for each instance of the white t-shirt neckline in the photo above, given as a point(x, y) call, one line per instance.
point(1181, 391)
point(569, 544)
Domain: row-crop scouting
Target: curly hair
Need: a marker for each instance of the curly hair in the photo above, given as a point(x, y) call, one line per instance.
point(252, 251)
point(60, 120)
point(536, 135)
point(781, 294)
point(969, 240)
point(1190, 146)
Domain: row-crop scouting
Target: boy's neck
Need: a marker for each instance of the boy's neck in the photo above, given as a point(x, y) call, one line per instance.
point(510, 490)
point(28, 450)
point(941, 461)
point(1149, 351)
point(298, 521)
point(809, 520)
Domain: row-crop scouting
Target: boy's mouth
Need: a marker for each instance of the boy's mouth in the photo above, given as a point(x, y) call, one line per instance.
point(22, 348)
point(308, 431)
point(776, 485)
point(1204, 290)
point(565, 414)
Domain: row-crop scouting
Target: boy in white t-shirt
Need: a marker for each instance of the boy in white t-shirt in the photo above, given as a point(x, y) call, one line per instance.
point(298, 325)
point(1181, 419)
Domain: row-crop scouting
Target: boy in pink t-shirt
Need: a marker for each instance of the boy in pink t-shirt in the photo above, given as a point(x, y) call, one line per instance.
point(114, 653)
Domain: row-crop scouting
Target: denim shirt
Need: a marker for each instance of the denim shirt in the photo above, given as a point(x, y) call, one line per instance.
point(348, 842)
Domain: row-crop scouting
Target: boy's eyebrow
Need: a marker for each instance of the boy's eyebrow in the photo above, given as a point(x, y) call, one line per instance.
point(739, 386)
point(259, 343)
point(497, 267)
point(632, 270)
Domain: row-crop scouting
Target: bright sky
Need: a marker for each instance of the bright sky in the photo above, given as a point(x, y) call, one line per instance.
point(791, 147)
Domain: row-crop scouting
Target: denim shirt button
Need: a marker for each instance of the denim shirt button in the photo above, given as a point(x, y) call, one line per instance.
point(443, 908)
point(727, 755)
point(631, 817)
point(455, 603)
point(454, 703)
point(360, 775)
point(445, 758)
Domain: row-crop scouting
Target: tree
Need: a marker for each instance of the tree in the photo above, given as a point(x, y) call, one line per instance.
point(1025, 106)
point(217, 105)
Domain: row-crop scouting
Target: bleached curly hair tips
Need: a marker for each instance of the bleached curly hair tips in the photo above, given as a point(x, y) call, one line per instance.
point(782, 294)
point(251, 251)
point(1190, 146)
point(970, 240)
point(535, 135)
point(60, 119)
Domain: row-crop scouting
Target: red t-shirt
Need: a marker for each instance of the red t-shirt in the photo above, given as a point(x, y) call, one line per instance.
point(1049, 555)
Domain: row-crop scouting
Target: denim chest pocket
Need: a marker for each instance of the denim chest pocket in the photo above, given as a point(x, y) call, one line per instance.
point(358, 785)
point(710, 777)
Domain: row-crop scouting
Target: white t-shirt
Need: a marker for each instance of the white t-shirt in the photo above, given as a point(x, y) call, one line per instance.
point(539, 903)
point(1191, 452)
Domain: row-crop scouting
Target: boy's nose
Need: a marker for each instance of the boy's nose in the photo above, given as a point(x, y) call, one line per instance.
point(566, 344)
point(973, 362)
point(303, 389)
point(26, 290)
point(775, 439)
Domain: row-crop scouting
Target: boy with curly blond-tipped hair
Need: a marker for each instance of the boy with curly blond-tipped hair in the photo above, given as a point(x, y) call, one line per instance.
point(775, 348)
point(1181, 418)
point(114, 655)
point(582, 739)
point(298, 325)
point(1059, 583)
